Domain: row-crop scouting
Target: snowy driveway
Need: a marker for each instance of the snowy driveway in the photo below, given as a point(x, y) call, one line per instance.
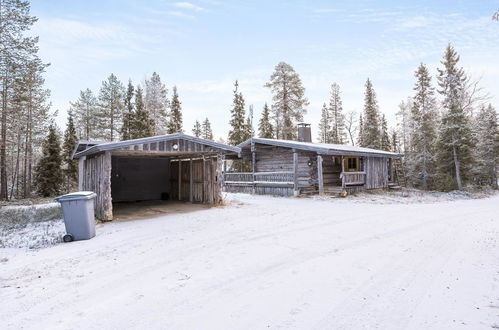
point(263, 262)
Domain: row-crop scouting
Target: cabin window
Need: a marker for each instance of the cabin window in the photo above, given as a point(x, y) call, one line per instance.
point(352, 164)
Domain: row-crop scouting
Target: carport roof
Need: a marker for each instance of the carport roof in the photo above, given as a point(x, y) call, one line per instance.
point(96, 148)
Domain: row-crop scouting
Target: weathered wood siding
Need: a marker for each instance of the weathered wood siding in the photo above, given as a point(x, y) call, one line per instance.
point(97, 178)
point(278, 159)
point(204, 186)
point(376, 169)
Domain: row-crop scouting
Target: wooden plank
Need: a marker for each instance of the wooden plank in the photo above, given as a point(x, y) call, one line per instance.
point(203, 178)
point(320, 174)
point(296, 191)
point(81, 172)
point(191, 184)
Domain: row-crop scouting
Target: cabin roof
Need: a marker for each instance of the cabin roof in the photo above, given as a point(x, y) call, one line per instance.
point(324, 148)
point(84, 148)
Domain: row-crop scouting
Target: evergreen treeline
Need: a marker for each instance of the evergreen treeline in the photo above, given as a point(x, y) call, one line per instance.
point(448, 134)
point(452, 142)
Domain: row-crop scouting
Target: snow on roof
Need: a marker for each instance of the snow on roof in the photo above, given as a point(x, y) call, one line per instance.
point(320, 147)
point(120, 144)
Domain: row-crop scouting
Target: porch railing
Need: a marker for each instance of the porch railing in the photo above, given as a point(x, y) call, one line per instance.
point(353, 178)
point(259, 178)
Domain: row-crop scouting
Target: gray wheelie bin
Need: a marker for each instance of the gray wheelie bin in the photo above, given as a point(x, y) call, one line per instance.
point(78, 212)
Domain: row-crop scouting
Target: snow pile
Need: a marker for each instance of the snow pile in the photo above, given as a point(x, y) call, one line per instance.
point(31, 227)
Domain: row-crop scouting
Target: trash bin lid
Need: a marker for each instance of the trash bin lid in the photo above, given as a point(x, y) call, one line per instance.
point(76, 195)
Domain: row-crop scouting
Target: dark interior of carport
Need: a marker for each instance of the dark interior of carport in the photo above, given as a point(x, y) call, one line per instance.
point(138, 178)
point(188, 177)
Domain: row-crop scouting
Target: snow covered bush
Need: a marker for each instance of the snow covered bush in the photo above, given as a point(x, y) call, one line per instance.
point(31, 227)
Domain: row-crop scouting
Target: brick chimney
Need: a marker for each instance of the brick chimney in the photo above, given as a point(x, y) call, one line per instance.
point(304, 132)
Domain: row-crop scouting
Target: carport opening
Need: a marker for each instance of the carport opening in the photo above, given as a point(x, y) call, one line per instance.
point(144, 187)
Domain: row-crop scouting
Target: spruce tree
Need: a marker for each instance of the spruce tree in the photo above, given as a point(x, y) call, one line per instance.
point(385, 137)
point(360, 135)
point(85, 111)
point(206, 132)
point(175, 121)
point(128, 114)
point(111, 108)
point(196, 130)
point(289, 100)
point(395, 142)
point(455, 140)
point(421, 156)
point(338, 133)
point(239, 128)
point(265, 128)
point(71, 165)
point(142, 124)
point(49, 176)
point(371, 130)
point(325, 125)
point(487, 148)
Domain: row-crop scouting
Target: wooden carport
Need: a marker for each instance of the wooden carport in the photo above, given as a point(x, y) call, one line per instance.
point(175, 166)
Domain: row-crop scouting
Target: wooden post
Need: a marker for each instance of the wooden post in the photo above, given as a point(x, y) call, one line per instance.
point(320, 175)
point(179, 179)
point(296, 191)
point(253, 164)
point(81, 172)
point(204, 179)
point(342, 172)
point(191, 184)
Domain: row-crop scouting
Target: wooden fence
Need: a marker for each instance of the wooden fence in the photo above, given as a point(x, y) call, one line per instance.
point(262, 183)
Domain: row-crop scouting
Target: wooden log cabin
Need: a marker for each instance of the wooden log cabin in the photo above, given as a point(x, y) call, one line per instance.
point(176, 166)
point(287, 168)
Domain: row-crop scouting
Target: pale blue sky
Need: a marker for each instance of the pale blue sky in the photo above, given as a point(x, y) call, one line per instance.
point(203, 46)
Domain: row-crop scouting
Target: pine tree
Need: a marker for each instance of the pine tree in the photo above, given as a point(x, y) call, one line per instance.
point(487, 148)
point(338, 133)
point(385, 137)
point(455, 140)
point(289, 100)
point(175, 121)
point(142, 124)
point(206, 132)
point(421, 156)
point(110, 108)
point(129, 114)
point(196, 130)
point(156, 103)
point(371, 133)
point(265, 128)
point(71, 165)
point(49, 176)
point(239, 129)
point(325, 125)
point(360, 136)
point(16, 49)
point(85, 111)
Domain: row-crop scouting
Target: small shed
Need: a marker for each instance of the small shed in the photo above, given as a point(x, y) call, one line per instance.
point(175, 166)
point(287, 168)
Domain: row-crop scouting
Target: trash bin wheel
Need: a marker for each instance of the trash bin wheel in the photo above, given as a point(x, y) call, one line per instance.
point(67, 238)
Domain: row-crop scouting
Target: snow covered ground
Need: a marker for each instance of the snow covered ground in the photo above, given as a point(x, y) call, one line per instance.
point(264, 262)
